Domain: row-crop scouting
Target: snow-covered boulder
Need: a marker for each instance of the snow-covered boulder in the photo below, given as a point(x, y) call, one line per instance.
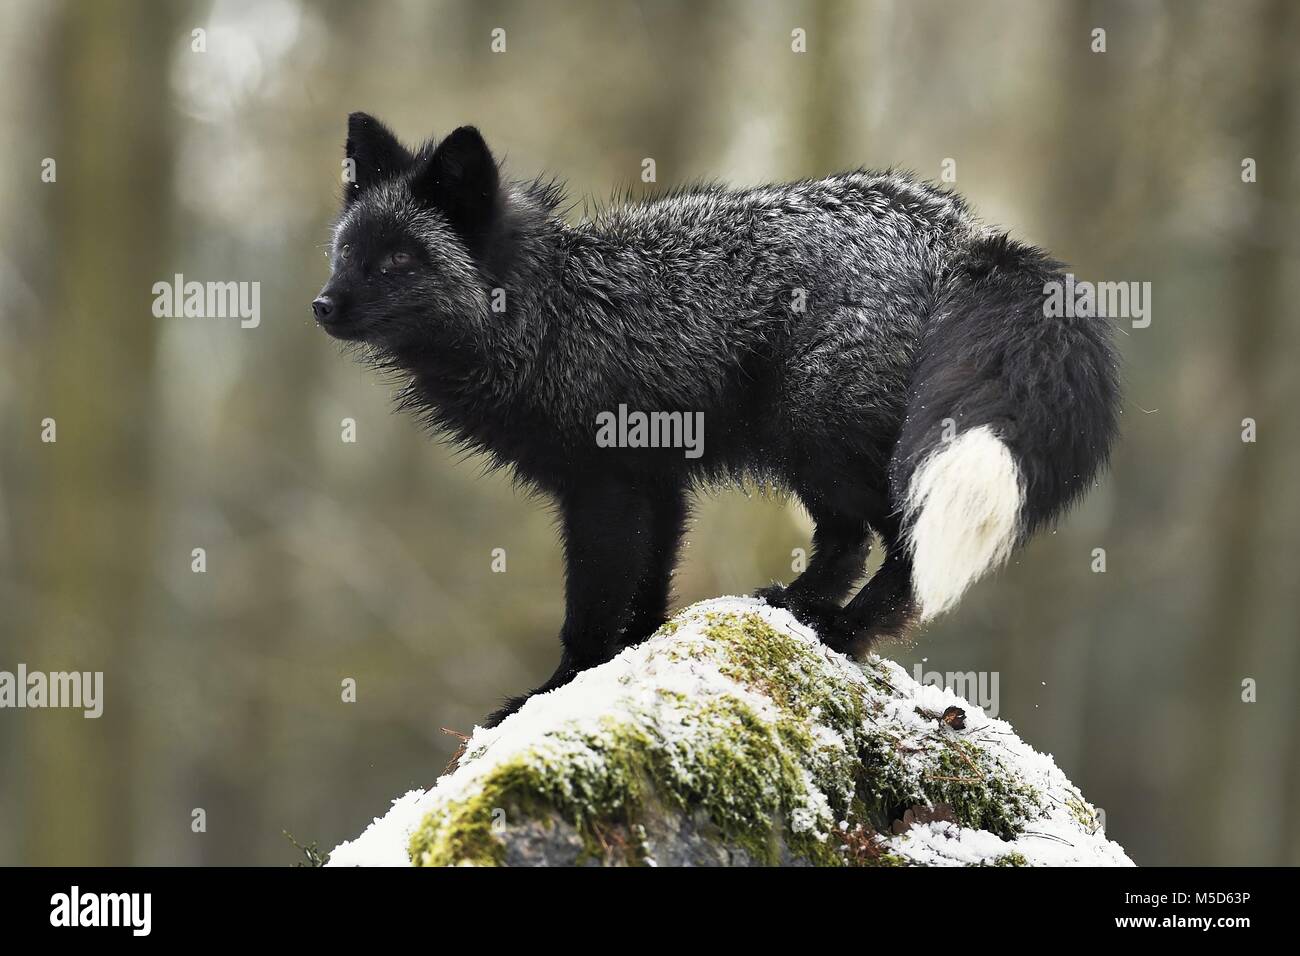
point(734, 737)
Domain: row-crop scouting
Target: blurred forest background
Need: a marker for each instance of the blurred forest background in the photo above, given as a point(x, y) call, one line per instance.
point(371, 560)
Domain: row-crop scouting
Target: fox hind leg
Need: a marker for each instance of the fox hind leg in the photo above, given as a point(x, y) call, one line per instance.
point(886, 605)
point(883, 607)
point(841, 543)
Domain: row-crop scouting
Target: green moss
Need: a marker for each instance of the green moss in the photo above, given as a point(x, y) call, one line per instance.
point(943, 770)
point(981, 797)
point(1084, 814)
point(1010, 859)
point(738, 772)
point(465, 835)
point(668, 627)
point(884, 787)
point(756, 780)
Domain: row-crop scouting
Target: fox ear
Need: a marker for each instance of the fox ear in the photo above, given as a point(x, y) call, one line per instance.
point(373, 153)
point(460, 180)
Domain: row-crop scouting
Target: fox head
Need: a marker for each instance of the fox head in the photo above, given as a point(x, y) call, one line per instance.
point(416, 243)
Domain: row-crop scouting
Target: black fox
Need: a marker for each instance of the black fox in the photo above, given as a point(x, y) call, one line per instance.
point(861, 339)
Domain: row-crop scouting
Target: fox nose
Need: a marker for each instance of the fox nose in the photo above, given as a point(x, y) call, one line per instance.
point(322, 306)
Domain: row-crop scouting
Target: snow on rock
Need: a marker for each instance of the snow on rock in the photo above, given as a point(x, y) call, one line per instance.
point(734, 737)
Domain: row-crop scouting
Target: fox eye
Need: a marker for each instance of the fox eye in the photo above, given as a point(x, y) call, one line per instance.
point(345, 251)
point(400, 260)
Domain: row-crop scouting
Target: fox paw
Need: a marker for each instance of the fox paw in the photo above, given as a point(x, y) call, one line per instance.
point(511, 705)
point(567, 670)
point(823, 616)
point(774, 595)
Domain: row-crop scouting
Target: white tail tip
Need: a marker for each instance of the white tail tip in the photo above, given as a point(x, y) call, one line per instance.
point(963, 507)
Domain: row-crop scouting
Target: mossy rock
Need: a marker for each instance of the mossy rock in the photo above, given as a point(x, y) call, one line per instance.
point(734, 737)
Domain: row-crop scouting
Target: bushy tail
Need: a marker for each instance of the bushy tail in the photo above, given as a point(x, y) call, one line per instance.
point(1010, 416)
